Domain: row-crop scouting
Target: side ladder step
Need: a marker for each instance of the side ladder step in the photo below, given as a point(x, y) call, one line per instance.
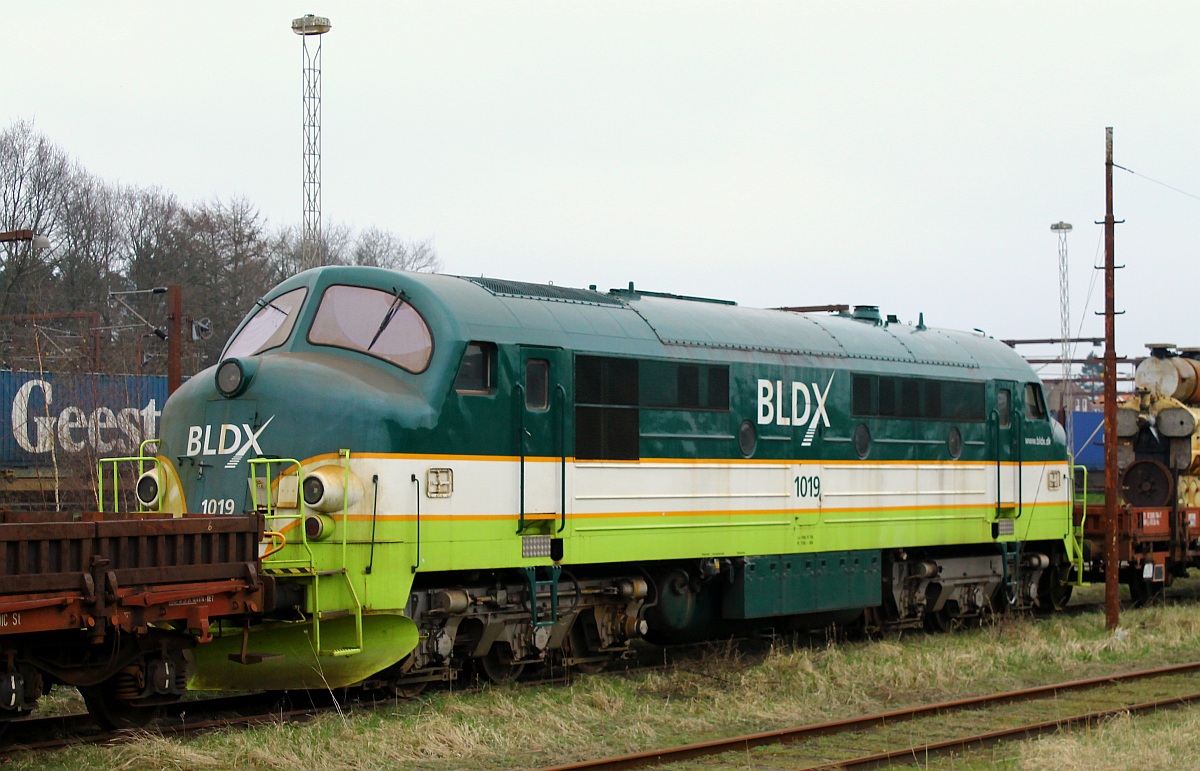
point(534, 584)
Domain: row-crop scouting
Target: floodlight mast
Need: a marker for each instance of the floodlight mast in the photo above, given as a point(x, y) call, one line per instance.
point(311, 26)
point(1061, 229)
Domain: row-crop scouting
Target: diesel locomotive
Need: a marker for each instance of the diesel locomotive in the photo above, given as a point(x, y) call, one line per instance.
point(467, 472)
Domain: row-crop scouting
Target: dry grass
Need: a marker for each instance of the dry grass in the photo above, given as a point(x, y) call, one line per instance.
point(1170, 740)
point(722, 693)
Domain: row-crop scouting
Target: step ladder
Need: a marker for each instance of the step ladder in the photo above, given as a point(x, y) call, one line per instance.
point(300, 564)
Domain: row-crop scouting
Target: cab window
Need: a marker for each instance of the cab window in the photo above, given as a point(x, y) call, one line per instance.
point(1035, 403)
point(373, 321)
point(1003, 408)
point(269, 326)
point(476, 372)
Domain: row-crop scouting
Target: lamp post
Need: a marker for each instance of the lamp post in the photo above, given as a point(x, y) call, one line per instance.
point(306, 27)
point(1061, 229)
point(38, 241)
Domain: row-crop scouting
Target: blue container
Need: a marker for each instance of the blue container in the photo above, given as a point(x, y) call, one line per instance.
point(1088, 439)
point(50, 417)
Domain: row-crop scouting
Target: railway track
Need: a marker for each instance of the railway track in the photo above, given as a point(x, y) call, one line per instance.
point(886, 737)
point(200, 715)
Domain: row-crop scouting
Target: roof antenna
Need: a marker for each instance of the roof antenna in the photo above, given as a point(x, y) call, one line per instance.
point(921, 322)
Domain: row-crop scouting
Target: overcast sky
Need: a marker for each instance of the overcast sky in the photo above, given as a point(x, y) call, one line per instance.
point(911, 155)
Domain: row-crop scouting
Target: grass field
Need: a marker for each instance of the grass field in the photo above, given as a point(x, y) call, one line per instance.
point(726, 691)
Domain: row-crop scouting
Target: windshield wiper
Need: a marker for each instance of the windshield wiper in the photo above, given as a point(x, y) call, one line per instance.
point(265, 303)
point(387, 317)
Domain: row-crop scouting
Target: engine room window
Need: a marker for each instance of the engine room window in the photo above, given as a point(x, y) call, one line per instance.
point(607, 418)
point(476, 373)
point(717, 397)
point(674, 386)
point(269, 327)
point(884, 396)
point(1035, 403)
point(373, 321)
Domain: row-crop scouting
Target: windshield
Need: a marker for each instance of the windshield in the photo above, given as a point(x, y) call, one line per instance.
point(270, 325)
point(373, 321)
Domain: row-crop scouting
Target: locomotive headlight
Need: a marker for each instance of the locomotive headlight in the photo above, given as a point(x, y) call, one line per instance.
point(318, 527)
point(329, 488)
point(234, 375)
point(148, 490)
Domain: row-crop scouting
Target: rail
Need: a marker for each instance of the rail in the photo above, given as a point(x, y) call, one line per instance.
point(669, 755)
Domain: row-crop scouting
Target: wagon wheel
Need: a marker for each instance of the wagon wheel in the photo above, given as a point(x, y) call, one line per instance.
point(1144, 592)
point(498, 665)
point(1147, 483)
point(110, 711)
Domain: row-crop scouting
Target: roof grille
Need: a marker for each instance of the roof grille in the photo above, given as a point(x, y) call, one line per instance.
point(542, 291)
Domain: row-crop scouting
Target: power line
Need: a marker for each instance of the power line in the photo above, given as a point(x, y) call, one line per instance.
point(1155, 181)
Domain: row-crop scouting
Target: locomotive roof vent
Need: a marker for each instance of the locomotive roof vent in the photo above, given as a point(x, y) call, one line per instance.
point(868, 314)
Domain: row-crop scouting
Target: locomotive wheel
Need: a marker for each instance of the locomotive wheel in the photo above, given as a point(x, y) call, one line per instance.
point(1054, 589)
point(944, 620)
point(407, 690)
point(576, 646)
point(113, 713)
point(498, 665)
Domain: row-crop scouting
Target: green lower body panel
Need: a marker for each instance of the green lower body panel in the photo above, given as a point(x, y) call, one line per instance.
point(789, 584)
point(287, 659)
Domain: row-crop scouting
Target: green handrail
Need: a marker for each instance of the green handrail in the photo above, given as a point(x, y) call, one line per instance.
point(141, 459)
point(1078, 530)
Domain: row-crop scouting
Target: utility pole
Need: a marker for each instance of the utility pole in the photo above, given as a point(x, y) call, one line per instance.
point(1112, 608)
point(174, 338)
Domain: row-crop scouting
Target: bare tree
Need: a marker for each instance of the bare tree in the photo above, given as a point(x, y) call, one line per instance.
point(383, 249)
point(34, 174)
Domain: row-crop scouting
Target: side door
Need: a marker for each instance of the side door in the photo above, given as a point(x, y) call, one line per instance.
point(541, 441)
point(1004, 426)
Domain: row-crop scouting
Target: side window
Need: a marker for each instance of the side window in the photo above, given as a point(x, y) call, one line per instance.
point(1004, 407)
point(1035, 403)
point(476, 373)
point(537, 384)
point(862, 401)
point(718, 388)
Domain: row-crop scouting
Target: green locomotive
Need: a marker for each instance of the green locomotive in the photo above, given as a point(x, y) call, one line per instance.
point(462, 471)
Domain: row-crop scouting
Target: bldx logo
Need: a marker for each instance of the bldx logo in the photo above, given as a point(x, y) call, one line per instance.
point(229, 438)
point(807, 404)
